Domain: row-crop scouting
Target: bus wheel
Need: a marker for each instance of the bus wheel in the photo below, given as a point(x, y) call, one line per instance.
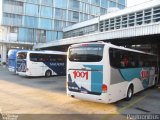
point(48, 73)
point(129, 93)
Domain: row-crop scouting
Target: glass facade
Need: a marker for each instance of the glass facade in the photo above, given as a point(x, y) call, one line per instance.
point(40, 21)
point(81, 31)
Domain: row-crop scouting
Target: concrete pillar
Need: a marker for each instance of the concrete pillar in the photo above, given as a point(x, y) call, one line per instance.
point(4, 53)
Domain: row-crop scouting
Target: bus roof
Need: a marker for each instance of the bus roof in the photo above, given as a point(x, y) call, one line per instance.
point(111, 46)
point(45, 52)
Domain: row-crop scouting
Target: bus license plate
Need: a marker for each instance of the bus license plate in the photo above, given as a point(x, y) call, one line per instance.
point(85, 92)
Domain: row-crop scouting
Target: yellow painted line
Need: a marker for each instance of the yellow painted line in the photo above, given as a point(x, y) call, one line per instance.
point(133, 103)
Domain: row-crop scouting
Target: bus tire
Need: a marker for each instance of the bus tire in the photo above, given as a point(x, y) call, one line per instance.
point(48, 73)
point(129, 93)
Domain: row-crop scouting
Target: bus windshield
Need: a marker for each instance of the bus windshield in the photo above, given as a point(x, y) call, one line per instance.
point(22, 55)
point(86, 54)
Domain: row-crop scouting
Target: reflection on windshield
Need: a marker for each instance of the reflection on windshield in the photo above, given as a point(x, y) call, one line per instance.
point(22, 55)
point(86, 54)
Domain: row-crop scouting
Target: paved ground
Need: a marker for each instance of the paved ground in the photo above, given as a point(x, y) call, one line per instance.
point(21, 95)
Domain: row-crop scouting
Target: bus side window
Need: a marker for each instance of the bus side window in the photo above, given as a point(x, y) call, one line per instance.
point(33, 57)
point(124, 61)
point(133, 64)
point(133, 60)
point(140, 61)
point(40, 58)
point(115, 58)
point(146, 61)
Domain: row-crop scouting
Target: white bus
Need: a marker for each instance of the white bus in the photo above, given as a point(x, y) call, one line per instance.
point(106, 73)
point(41, 63)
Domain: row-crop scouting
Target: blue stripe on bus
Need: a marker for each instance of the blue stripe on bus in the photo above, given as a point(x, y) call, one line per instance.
point(58, 68)
point(96, 77)
point(129, 74)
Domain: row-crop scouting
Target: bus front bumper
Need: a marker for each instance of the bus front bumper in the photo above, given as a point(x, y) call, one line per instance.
point(11, 69)
point(22, 73)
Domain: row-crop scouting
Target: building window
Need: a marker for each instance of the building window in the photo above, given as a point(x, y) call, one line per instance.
point(147, 16)
point(47, 2)
point(13, 29)
point(12, 19)
point(33, 1)
point(112, 4)
point(41, 36)
point(124, 21)
point(81, 31)
point(121, 6)
point(121, 2)
point(31, 9)
point(60, 14)
point(131, 19)
point(112, 23)
point(31, 22)
point(103, 11)
point(106, 25)
point(51, 36)
point(73, 16)
point(13, 7)
point(26, 35)
point(58, 24)
point(156, 14)
point(118, 22)
point(46, 12)
point(139, 18)
point(95, 10)
point(101, 26)
point(45, 24)
point(95, 2)
point(104, 3)
point(61, 4)
point(74, 5)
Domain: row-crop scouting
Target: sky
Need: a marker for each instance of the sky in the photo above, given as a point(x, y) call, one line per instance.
point(134, 2)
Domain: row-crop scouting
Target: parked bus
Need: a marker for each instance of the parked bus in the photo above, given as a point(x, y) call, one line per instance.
point(12, 60)
point(106, 73)
point(41, 63)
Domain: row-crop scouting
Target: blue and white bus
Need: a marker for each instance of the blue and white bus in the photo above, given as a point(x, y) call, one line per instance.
point(106, 73)
point(41, 63)
point(12, 60)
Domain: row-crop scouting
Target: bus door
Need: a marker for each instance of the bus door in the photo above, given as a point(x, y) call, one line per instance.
point(36, 65)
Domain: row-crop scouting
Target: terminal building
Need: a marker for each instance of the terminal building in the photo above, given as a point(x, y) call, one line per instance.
point(136, 27)
point(24, 23)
